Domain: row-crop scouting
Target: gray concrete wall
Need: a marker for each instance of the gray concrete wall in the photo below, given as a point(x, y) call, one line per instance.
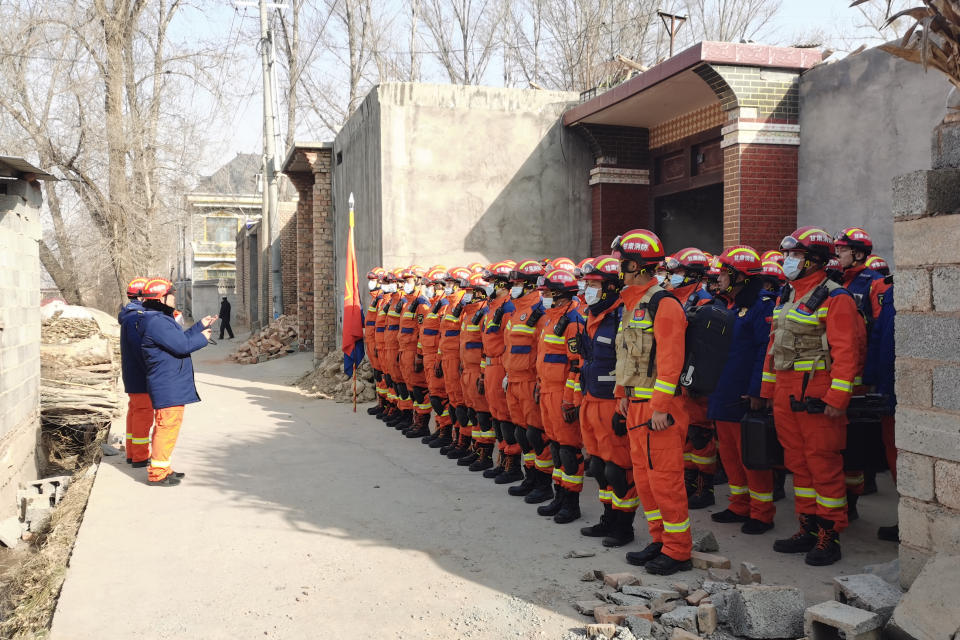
point(863, 120)
point(19, 338)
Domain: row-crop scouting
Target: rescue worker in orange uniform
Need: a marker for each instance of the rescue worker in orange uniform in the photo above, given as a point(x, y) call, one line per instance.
point(448, 365)
point(386, 388)
point(687, 268)
point(480, 457)
point(813, 357)
point(520, 364)
point(650, 353)
point(166, 352)
point(773, 281)
point(374, 287)
point(562, 322)
point(591, 397)
point(751, 492)
point(416, 306)
point(139, 409)
point(430, 344)
point(391, 358)
point(508, 468)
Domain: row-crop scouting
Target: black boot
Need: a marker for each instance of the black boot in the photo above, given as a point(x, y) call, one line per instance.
point(690, 481)
point(664, 565)
point(827, 549)
point(376, 409)
point(406, 420)
point(779, 478)
point(803, 540)
point(443, 438)
point(499, 468)
point(852, 513)
point(452, 444)
point(569, 509)
point(640, 558)
point(703, 495)
point(726, 517)
point(553, 507)
point(485, 461)
point(420, 428)
point(602, 528)
point(542, 490)
point(389, 413)
point(461, 448)
point(471, 456)
point(889, 534)
point(754, 527)
point(525, 487)
point(622, 531)
point(512, 470)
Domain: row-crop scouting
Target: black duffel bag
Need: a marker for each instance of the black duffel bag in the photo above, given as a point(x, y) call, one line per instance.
point(760, 449)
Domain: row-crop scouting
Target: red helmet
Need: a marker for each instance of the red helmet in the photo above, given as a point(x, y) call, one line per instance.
point(499, 270)
point(713, 272)
point(376, 273)
point(475, 267)
point(435, 275)
point(457, 274)
point(135, 287)
point(855, 238)
point(559, 281)
point(583, 262)
point(474, 281)
point(811, 240)
point(772, 255)
point(772, 270)
point(579, 271)
point(834, 265)
point(157, 288)
point(640, 245)
point(605, 268)
point(562, 263)
point(413, 271)
point(527, 271)
point(878, 264)
point(689, 258)
point(742, 259)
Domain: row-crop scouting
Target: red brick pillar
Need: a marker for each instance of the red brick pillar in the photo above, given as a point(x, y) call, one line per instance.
point(620, 202)
point(759, 182)
point(304, 216)
point(324, 258)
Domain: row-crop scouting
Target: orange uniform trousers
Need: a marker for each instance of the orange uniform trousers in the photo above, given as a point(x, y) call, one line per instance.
point(563, 433)
point(658, 473)
point(524, 413)
point(751, 492)
point(596, 429)
point(451, 379)
point(139, 422)
point(497, 400)
point(812, 446)
point(165, 435)
point(413, 379)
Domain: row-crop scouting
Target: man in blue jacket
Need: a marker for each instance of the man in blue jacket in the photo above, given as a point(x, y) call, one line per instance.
point(139, 409)
point(166, 352)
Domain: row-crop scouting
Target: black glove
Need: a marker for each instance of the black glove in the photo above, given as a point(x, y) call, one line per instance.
point(418, 363)
point(570, 412)
point(481, 388)
point(536, 393)
point(438, 370)
point(619, 424)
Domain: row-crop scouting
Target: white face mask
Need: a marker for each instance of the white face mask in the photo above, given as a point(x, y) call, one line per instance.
point(430, 292)
point(371, 285)
point(660, 278)
point(516, 291)
point(581, 285)
point(467, 297)
point(488, 290)
point(792, 267)
point(676, 279)
point(448, 290)
point(389, 288)
point(408, 287)
point(547, 303)
point(591, 295)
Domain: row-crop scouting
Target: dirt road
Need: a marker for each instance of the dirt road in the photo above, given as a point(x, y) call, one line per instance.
point(300, 519)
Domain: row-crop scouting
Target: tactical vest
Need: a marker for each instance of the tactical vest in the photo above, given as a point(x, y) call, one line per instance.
point(635, 368)
point(599, 353)
point(800, 334)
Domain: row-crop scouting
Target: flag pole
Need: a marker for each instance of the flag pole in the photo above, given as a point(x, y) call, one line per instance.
point(356, 364)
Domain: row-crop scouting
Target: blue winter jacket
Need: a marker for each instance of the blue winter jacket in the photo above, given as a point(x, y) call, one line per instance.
point(131, 359)
point(744, 366)
point(166, 351)
point(880, 370)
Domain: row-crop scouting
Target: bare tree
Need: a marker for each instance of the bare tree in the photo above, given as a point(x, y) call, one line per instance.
point(728, 21)
point(463, 36)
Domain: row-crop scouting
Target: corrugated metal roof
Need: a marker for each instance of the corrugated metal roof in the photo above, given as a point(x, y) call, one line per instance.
point(21, 165)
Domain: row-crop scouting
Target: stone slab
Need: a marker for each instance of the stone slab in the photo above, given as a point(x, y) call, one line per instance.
point(625, 600)
point(10, 531)
point(824, 621)
point(929, 609)
point(586, 607)
point(704, 541)
point(620, 580)
point(931, 433)
point(762, 612)
point(616, 614)
point(926, 192)
point(749, 573)
point(926, 242)
point(868, 592)
point(683, 617)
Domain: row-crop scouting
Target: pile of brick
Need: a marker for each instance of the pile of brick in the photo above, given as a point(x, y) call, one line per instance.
point(273, 341)
point(329, 382)
point(35, 503)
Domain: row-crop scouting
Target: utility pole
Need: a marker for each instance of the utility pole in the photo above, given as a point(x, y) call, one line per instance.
point(675, 23)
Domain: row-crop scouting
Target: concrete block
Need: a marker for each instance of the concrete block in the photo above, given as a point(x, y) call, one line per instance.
point(704, 540)
point(683, 634)
point(923, 193)
point(923, 335)
point(945, 146)
point(767, 612)
point(615, 614)
point(639, 627)
point(683, 617)
point(946, 288)
point(915, 477)
point(620, 580)
point(929, 609)
point(830, 620)
point(912, 561)
point(601, 630)
point(914, 382)
point(946, 388)
point(913, 518)
point(707, 620)
point(706, 560)
point(624, 600)
point(947, 483)
point(694, 598)
point(660, 607)
point(868, 592)
point(749, 573)
point(586, 607)
point(10, 532)
point(926, 241)
point(723, 601)
point(931, 433)
point(913, 290)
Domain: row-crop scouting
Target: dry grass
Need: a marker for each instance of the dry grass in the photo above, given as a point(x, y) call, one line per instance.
point(29, 595)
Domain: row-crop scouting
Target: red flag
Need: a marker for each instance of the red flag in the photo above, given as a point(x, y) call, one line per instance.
point(352, 309)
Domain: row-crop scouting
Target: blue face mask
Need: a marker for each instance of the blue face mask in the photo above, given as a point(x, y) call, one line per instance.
point(792, 267)
point(676, 279)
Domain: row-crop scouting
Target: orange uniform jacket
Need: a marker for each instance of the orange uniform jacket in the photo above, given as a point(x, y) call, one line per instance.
point(520, 339)
point(370, 327)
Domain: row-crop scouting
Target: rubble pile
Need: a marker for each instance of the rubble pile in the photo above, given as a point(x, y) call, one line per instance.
point(273, 341)
point(328, 381)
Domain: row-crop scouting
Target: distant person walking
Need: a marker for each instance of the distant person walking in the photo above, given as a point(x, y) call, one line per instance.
point(225, 318)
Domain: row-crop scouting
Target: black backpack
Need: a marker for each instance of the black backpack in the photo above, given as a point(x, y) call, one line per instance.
point(707, 345)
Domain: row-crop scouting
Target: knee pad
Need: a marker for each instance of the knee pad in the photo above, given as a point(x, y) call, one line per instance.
point(402, 391)
point(462, 415)
point(535, 438)
point(616, 478)
point(522, 440)
point(555, 453)
point(570, 459)
point(699, 436)
point(419, 395)
point(439, 404)
point(497, 429)
point(509, 432)
point(598, 469)
point(472, 415)
point(483, 419)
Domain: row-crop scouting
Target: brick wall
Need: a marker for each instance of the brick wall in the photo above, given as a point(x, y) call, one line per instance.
point(326, 297)
point(287, 218)
point(760, 194)
point(617, 208)
point(242, 284)
point(927, 292)
point(303, 182)
point(769, 94)
point(19, 338)
point(624, 147)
